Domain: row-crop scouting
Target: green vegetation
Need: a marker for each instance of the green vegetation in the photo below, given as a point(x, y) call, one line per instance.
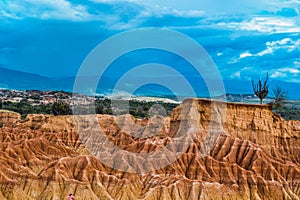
point(261, 90)
point(139, 109)
point(289, 110)
point(61, 108)
point(25, 108)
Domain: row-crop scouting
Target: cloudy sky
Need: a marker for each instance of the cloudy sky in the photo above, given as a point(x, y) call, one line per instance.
point(244, 38)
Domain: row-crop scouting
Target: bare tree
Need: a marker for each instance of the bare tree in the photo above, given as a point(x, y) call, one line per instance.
point(260, 89)
point(280, 95)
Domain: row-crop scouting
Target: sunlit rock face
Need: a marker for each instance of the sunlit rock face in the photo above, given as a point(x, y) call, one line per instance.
point(238, 152)
point(8, 117)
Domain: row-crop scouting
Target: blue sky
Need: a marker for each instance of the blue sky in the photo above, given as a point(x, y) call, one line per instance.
point(245, 38)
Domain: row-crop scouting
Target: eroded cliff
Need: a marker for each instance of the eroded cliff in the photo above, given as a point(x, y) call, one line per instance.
point(238, 152)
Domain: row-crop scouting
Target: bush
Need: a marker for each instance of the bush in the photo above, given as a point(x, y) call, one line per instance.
point(280, 95)
point(61, 108)
point(25, 108)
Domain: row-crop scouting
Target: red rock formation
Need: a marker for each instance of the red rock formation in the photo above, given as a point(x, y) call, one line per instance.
point(8, 117)
point(255, 156)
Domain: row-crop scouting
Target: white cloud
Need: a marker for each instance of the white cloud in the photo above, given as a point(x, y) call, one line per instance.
point(296, 64)
point(269, 50)
point(187, 13)
point(245, 54)
point(279, 42)
point(294, 46)
point(226, 6)
point(220, 54)
point(46, 9)
point(145, 10)
point(286, 43)
point(157, 9)
point(285, 72)
point(237, 74)
point(138, 12)
point(278, 74)
point(290, 70)
point(266, 25)
point(272, 46)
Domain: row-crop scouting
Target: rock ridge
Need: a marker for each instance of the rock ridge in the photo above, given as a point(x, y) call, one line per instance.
point(255, 155)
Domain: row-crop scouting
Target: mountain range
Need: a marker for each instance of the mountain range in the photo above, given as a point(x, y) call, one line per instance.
point(13, 79)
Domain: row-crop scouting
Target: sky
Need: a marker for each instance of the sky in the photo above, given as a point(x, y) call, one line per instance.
point(245, 39)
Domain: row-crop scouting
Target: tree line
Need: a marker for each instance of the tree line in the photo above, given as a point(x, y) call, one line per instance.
point(139, 109)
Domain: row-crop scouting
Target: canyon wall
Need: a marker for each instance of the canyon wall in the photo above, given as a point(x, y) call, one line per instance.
point(8, 117)
point(237, 151)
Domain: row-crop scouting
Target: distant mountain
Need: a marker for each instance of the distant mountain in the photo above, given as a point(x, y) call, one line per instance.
point(12, 79)
point(18, 80)
point(21, 80)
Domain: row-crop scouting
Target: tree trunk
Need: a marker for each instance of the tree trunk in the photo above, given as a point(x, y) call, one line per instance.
point(260, 101)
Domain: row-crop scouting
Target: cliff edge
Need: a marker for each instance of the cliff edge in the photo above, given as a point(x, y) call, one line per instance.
point(238, 151)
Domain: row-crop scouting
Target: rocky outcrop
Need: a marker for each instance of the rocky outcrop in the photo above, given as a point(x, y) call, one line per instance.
point(237, 151)
point(8, 117)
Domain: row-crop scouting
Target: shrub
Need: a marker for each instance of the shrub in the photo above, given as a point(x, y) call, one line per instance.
point(61, 108)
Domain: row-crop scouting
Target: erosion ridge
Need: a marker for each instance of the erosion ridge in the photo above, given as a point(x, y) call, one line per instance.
point(256, 156)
